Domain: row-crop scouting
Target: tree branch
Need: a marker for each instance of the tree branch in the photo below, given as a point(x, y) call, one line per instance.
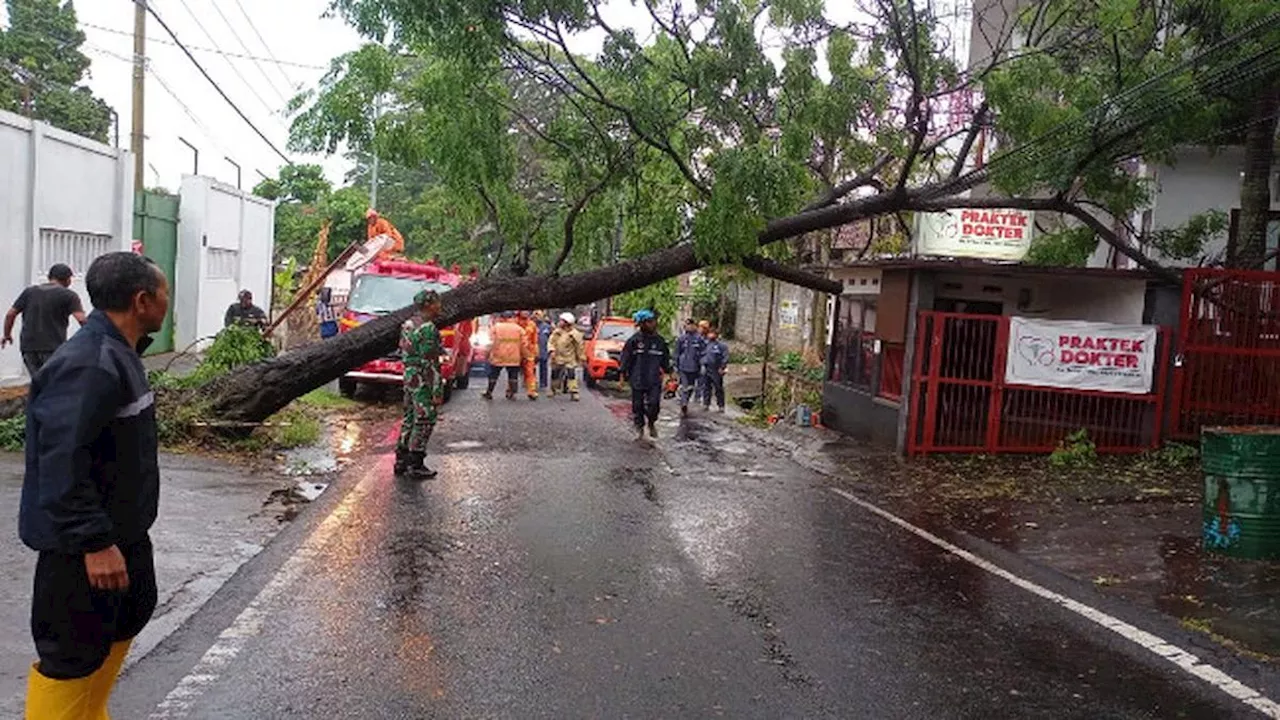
point(793, 276)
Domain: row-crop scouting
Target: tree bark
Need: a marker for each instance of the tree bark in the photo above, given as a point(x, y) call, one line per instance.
point(793, 276)
point(1255, 190)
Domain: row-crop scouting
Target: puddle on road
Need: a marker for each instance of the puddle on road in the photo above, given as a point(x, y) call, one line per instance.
point(637, 476)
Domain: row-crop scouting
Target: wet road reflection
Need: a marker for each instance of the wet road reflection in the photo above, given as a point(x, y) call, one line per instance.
point(556, 568)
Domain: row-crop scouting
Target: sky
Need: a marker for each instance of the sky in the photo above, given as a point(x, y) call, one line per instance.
point(181, 103)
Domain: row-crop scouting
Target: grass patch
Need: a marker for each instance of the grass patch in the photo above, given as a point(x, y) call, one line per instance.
point(13, 432)
point(323, 399)
point(294, 429)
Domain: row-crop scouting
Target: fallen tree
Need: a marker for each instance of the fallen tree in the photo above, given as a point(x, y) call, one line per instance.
point(698, 136)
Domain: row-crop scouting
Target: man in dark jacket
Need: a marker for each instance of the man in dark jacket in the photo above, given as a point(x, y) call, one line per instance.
point(244, 312)
point(90, 492)
point(645, 357)
point(689, 348)
point(715, 363)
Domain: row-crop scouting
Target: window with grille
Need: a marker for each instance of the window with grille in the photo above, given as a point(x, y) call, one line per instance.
point(75, 249)
point(223, 264)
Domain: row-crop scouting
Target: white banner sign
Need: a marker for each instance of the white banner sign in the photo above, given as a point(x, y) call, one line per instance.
point(989, 234)
point(1081, 355)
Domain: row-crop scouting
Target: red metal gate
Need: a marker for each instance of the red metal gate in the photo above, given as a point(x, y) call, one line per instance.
point(1228, 360)
point(960, 402)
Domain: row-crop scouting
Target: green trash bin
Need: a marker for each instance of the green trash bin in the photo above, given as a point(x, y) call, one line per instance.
point(1242, 491)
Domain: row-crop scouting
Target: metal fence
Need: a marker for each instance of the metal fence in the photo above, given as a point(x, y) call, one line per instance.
point(1227, 368)
point(961, 403)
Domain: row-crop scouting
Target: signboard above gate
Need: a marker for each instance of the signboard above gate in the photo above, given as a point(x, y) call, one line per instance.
point(987, 234)
point(1081, 355)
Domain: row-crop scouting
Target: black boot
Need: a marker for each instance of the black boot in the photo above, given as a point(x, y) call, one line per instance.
point(488, 394)
point(402, 461)
point(417, 470)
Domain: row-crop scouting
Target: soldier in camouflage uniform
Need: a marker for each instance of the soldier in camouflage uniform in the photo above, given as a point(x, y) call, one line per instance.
point(420, 348)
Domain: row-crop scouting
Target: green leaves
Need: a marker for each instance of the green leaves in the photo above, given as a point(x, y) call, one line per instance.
point(41, 68)
point(752, 184)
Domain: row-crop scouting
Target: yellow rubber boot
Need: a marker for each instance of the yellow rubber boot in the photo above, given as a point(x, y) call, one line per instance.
point(104, 680)
point(49, 699)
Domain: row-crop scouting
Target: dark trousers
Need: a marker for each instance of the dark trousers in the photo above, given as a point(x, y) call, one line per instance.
point(544, 373)
point(35, 360)
point(645, 405)
point(712, 383)
point(74, 624)
point(513, 372)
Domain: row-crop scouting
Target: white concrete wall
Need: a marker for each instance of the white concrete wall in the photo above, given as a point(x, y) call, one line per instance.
point(1199, 181)
point(226, 240)
point(1113, 300)
point(63, 198)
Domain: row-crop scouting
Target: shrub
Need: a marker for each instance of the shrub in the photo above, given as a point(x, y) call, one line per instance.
point(1075, 451)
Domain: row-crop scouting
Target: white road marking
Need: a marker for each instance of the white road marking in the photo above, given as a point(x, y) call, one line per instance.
point(1156, 645)
point(248, 624)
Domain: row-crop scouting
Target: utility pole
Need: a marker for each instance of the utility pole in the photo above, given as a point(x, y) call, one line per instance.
point(139, 77)
point(373, 179)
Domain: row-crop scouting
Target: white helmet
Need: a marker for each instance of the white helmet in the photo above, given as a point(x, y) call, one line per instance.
point(566, 317)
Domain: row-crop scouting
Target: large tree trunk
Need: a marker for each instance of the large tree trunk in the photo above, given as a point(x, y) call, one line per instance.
point(1255, 189)
point(255, 392)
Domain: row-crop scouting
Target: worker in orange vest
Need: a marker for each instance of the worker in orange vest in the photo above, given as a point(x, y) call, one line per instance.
point(530, 329)
point(377, 225)
point(508, 351)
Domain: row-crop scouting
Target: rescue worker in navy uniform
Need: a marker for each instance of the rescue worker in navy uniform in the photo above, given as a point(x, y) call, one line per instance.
point(90, 493)
point(645, 357)
point(715, 363)
point(689, 348)
point(420, 348)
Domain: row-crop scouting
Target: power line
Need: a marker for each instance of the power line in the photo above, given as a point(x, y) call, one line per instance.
point(166, 87)
point(151, 9)
point(224, 53)
point(252, 26)
point(236, 35)
point(270, 111)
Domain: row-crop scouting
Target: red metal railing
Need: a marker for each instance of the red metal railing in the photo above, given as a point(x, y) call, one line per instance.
point(1228, 369)
point(893, 357)
point(960, 402)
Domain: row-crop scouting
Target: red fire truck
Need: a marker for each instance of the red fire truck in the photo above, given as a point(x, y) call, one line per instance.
point(383, 286)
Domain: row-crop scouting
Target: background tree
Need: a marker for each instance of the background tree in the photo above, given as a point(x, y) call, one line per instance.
point(43, 67)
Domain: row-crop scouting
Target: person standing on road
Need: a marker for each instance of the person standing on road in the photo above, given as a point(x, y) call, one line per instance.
point(529, 353)
point(715, 363)
point(689, 348)
point(645, 357)
point(544, 334)
point(420, 347)
point(44, 310)
point(700, 392)
point(244, 312)
point(507, 351)
point(90, 493)
point(326, 313)
point(568, 352)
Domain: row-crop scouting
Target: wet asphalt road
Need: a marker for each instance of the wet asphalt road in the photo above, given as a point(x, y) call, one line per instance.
point(556, 569)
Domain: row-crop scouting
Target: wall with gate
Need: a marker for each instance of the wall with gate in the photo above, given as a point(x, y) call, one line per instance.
point(1228, 357)
point(63, 198)
point(226, 240)
point(961, 402)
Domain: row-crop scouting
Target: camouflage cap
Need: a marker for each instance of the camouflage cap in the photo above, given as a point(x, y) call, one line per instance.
point(425, 298)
